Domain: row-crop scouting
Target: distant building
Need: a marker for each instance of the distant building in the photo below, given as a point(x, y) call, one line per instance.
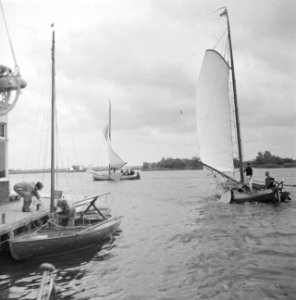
point(77, 168)
point(4, 182)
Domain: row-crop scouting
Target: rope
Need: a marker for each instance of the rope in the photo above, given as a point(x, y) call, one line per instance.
point(221, 37)
point(64, 227)
point(9, 39)
point(98, 153)
point(4, 241)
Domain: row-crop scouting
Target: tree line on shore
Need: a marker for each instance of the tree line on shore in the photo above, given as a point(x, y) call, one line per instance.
point(263, 160)
point(173, 164)
point(267, 160)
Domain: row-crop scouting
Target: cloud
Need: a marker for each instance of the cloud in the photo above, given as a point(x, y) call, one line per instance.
point(145, 57)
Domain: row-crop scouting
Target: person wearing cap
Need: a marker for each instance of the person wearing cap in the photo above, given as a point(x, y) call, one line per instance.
point(269, 181)
point(27, 190)
point(249, 176)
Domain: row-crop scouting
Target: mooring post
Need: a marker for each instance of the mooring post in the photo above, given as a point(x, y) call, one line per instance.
point(3, 218)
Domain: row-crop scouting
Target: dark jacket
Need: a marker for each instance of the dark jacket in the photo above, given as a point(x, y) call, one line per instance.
point(269, 182)
point(249, 171)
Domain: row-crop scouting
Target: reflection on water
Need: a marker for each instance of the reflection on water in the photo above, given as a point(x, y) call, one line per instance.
point(177, 242)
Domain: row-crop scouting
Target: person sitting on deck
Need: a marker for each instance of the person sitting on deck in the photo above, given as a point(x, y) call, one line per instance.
point(27, 190)
point(65, 213)
point(269, 181)
point(249, 176)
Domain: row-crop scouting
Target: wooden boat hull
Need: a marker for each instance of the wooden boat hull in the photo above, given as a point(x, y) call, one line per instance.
point(114, 177)
point(53, 242)
point(131, 177)
point(106, 177)
point(260, 196)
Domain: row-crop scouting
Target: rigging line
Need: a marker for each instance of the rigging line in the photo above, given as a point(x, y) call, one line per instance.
point(36, 121)
point(68, 124)
point(232, 117)
point(222, 36)
point(9, 39)
point(67, 108)
point(97, 155)
point(226, 52)
point(42, 152)
point(60, 161)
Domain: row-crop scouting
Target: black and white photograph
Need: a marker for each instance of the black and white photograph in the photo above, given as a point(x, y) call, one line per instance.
point(147, 149)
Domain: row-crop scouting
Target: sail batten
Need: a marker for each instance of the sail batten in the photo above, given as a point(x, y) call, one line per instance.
point(213, 115)
point(115, 160)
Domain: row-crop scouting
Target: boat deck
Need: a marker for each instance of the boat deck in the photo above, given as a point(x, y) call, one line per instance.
point(13, 218)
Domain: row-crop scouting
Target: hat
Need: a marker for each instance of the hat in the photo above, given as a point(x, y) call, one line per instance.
point(39, 185)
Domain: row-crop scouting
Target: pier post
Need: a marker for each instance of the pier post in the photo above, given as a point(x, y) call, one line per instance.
point(4, 181)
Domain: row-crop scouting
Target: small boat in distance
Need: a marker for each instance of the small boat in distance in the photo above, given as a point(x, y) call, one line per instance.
point(90, 228)
point(115, 171)
point(215, 103)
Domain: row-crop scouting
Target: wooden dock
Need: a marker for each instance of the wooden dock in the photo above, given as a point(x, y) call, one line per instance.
point(12, 217)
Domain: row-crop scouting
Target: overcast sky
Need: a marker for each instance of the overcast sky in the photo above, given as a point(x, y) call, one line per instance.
point(145, 57)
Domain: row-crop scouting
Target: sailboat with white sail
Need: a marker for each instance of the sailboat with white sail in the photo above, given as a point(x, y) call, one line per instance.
point(51, 238)
point(115, 172)
point(215, 102)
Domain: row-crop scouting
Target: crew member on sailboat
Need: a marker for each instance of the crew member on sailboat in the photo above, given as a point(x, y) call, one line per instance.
point(27, 190)
point(269, 181)
point(249, 176)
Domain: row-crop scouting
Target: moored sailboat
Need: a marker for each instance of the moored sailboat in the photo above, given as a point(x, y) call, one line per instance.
point(52, 238)
point(214, 120)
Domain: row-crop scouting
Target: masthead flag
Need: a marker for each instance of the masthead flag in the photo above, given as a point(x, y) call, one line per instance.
point(224, 13)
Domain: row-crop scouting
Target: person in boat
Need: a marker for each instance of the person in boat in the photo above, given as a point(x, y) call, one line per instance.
point(65, 213)
point(269, 181)
point(249, 176)
point(28, 190)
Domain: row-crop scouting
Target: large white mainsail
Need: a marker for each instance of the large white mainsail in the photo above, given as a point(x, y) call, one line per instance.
point(213, 115)
point(114, 160)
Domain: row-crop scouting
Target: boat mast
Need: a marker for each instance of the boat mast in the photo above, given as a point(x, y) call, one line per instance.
point(52, 173)
point(109, 131)
point(240, 155)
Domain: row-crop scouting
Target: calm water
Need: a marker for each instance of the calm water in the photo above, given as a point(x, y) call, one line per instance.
point(177, 242)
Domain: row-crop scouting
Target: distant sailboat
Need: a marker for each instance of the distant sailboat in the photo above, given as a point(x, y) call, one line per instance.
point(214, 108)
point(115, 161)
point(54, 239)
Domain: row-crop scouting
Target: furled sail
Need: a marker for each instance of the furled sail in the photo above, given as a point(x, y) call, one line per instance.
point(213, 115)
point(115, 161)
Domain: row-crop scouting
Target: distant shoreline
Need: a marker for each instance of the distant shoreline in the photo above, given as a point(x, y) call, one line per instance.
point(13, 172)
point(274, 166)
point(267, 166)
point(170, 169)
